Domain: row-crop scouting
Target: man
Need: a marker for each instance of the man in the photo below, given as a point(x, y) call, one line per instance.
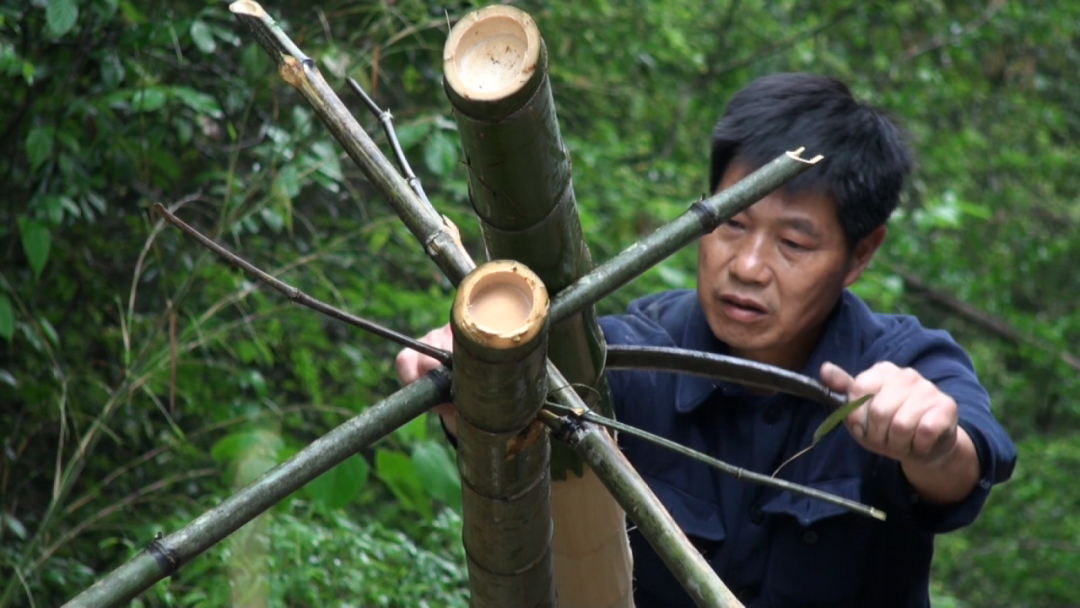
point(772, 288)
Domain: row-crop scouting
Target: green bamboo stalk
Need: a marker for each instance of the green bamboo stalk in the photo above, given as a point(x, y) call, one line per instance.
point(520, 180)
point(496, 78)
point(702, 218)
point(165, 555)
point(437, 234)
point(499, 385)
point(637, 499)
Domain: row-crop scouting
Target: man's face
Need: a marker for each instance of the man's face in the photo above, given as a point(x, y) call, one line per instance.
point(769, 277)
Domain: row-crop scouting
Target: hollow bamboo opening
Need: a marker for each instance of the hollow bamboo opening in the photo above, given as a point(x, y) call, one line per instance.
point(501, 305)
point(491, 53)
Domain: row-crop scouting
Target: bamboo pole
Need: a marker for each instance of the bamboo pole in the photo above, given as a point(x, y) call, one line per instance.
point(499, 322)
point(437, 234)
point(165, 555)
point(496, 78)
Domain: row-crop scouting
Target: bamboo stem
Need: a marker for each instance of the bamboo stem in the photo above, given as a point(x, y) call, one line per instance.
point(496, 78)
point(438, 236)
point(645, 510)
point(165, 555)
point(499, 321)
point(702, 218)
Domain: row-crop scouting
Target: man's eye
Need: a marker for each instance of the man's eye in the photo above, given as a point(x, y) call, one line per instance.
point(792, 245)
point(736, 224)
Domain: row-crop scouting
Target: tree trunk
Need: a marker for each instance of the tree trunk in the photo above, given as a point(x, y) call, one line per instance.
point(495, 64)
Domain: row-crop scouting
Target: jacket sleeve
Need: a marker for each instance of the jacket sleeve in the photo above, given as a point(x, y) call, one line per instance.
point(939, 359)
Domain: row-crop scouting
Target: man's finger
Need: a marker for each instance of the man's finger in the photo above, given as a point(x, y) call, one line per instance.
point(834, 377)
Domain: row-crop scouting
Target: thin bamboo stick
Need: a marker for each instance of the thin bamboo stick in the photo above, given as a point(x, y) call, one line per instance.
point(165, 555)
point(499, 322)
point(438, 235)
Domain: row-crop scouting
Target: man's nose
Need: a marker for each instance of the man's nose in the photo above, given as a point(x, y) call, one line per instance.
point(749, 264)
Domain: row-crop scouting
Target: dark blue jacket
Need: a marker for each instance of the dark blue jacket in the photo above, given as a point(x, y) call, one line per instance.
point(775, 548)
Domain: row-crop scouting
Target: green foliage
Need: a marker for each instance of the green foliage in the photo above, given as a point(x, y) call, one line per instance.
point(193, 380)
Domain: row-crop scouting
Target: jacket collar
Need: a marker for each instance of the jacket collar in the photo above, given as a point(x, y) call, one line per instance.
point(839, 343)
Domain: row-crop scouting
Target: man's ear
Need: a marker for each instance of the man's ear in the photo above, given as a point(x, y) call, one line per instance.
point(862, 254)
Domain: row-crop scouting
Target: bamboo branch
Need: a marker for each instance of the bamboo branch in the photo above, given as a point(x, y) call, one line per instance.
point(295, 295)
point(721, 367)
point(165, 555)
point(644, 509)
point(723, 467)
point(387, 121)
point(702, 218)
point(438, 235)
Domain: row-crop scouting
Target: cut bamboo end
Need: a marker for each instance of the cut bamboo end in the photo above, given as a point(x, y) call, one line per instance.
point(501, 305)
point(491, 53)
point(593, 563)
point(247, 7)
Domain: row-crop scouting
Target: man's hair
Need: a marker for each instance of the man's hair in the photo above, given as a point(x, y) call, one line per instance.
point(867, 159)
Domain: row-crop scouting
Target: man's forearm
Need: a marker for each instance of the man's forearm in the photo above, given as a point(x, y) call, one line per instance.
point(949, 480)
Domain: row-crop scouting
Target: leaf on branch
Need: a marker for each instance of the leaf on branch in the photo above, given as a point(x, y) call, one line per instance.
point(202, 37)
point(61, 16)
point(36, 242)
point(339, 486)
point(437, 472)
point(39, 146)
point(7, 318)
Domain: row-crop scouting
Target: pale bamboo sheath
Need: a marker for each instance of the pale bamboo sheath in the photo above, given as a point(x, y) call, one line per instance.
point(520, 186)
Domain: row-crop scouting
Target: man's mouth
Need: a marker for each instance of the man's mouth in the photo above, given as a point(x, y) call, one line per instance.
point(742, 309)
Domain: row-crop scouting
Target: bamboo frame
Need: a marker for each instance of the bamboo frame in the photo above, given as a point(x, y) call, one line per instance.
point(441, 242)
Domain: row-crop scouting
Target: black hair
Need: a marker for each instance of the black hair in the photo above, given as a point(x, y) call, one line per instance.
point(867, 159)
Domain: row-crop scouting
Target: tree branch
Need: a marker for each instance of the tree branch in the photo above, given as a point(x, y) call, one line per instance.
point(981, 318)
point(295, 295)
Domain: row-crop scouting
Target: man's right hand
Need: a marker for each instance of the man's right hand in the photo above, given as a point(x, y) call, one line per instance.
point(411, 365)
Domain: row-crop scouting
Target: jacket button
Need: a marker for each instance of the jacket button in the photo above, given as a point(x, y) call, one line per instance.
point(810, 537)
point(772, 414)
point(756, 515)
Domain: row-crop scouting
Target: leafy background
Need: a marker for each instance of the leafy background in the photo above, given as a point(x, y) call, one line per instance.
point(187, 381)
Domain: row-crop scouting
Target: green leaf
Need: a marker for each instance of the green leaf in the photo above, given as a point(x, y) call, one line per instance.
point(440, 154)
point(438, 473)
point(16, 526)
point(197, 101)
point(39, 146)
point(398, 472)
point(7, 318)
point(49, 331)
point(7, 378)
point(409, 135)
point(148, 99)
point(61, 15)
point(339, 486)
point(837, 416)
point(203, 37)
point(36, 242)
